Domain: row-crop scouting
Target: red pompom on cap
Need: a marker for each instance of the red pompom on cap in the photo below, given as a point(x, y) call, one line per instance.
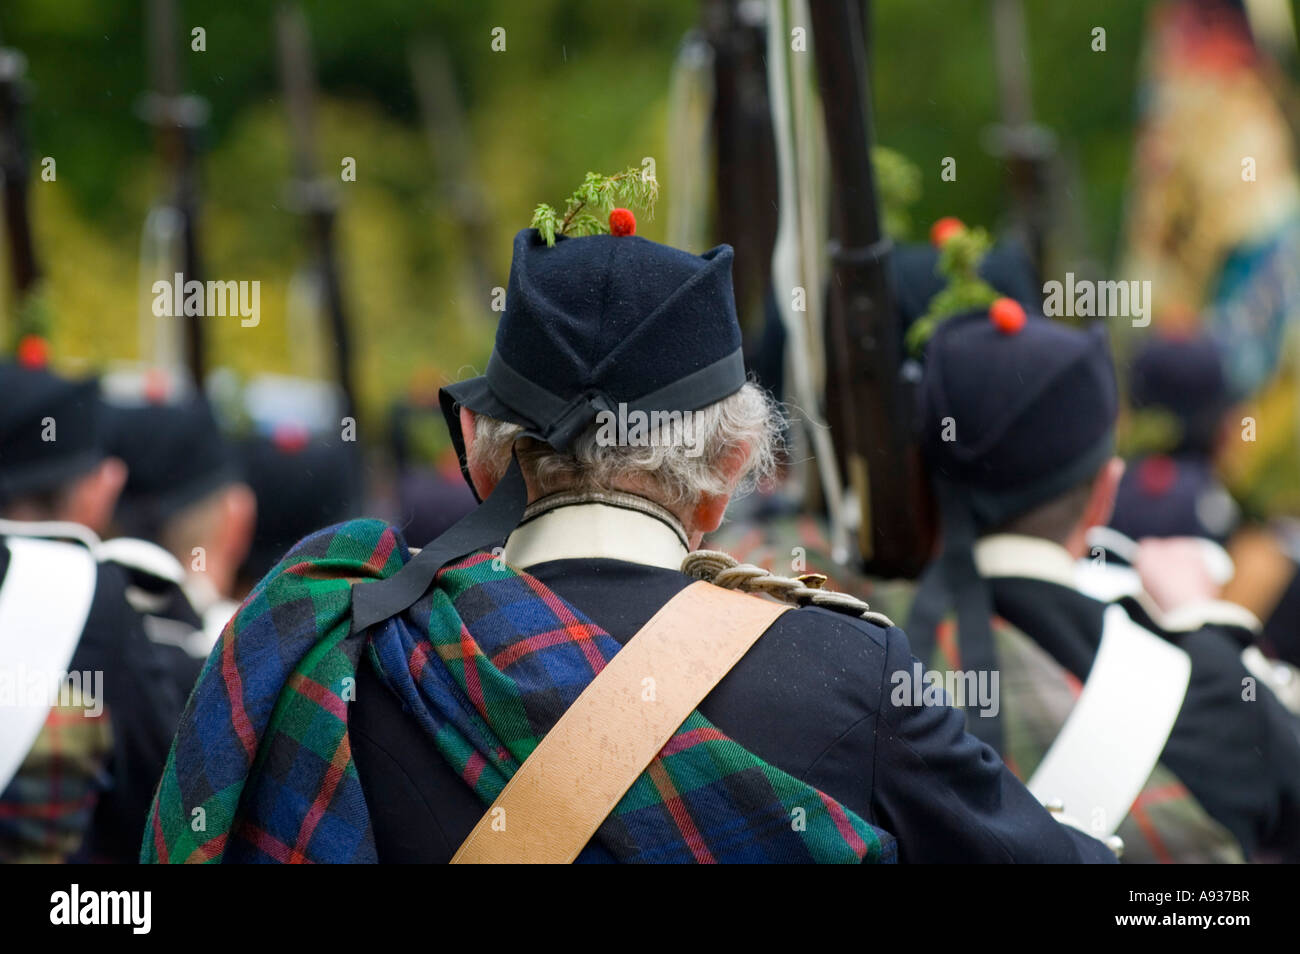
point(290, 438)
point(1007, 315)
point(944, 229)
point(1156, 475)
point(33, 352)
point(622, 222)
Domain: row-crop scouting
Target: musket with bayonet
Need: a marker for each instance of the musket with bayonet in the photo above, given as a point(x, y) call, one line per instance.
point(312, 195)
point(1026, 147)
point(24, 270)
point(449, 142)
point(178, 122)
point(877, 433)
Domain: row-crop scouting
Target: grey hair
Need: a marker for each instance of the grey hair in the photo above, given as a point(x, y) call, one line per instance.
point(678, 468)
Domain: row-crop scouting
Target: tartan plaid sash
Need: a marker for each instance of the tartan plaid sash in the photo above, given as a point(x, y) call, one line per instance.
point(261, 768)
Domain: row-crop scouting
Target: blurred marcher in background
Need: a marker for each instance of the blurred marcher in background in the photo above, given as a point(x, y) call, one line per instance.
point(302, 482)
point(183, 493)
point(1179, 398)
point(1182, 410)
point(1019, 431)
point(92, 701)
point(431, 493)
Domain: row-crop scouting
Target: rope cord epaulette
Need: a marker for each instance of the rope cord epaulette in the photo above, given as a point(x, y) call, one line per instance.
point(722, 569)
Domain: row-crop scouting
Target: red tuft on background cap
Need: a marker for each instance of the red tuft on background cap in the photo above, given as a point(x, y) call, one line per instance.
point(944, 229)
point(1007, 315)
point(33, 352)
point(289, 437)
point(622, 222)
point(1156, 475)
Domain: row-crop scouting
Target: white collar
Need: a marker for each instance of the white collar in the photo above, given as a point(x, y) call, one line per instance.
point(1033, 558)
point(610, 526)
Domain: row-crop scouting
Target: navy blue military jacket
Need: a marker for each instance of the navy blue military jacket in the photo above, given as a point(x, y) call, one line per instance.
point(812, 697)
point(145, 687)
point(1239, 756)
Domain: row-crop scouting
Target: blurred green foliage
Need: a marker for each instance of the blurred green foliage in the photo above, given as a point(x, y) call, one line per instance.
point(582, 85)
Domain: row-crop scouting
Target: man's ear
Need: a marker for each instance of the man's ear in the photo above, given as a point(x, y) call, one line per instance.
point(1100, 505)
point(707, 514)
point(483, 482)
point(93, 497)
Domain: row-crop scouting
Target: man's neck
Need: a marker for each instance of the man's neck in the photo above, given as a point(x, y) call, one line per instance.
point(598, 525)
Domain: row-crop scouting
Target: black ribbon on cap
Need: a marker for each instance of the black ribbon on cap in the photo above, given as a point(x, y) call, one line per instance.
point(492, 521)
point(954, 580)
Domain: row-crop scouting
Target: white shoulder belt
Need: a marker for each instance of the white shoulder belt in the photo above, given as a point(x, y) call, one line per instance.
point(44, 603)
point(1117, 729)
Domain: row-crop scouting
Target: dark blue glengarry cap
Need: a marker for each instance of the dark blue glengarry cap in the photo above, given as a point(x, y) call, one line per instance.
point(589, 323)
point(1031, 414)
point(50, 430)
point(175, 456)
point(1010, 422)
point(598, 321)
point(1161, 496)
point(1185, 377)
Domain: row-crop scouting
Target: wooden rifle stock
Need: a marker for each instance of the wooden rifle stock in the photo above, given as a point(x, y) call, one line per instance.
point(869, 400)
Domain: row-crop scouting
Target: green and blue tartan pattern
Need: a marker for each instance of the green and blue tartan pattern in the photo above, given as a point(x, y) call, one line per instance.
point(261, 767)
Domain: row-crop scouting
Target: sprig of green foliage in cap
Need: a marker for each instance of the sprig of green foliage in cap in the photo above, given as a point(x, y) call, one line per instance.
point(959, 261)
point(586, 211)
point(34, 316)
point(899, 184)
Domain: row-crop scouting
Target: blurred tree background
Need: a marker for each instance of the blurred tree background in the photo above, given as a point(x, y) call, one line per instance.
point(582, 85)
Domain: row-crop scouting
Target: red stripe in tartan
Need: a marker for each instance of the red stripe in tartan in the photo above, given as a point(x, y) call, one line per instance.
point(208, 850)
point(568, 621)
point(677, 809)
point(419, 659)
point(333, 775)
point(945, 638)
point(474, 767)
point(159, 842)
point(47, 809)
point(235, 693)
point(383, 550)
point(271, 845)
point(1149, 832)
point(836, 811)
point(576, 633)
point(684, 740)
point(469, 654)
point(327, 700)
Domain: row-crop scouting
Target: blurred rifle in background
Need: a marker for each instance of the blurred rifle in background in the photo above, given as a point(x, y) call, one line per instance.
point(744, 150)
point(872, 407)
point(1026, 147)
point(311, 195)
point(449, 142)
point(178, 122)
point(24, 271)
